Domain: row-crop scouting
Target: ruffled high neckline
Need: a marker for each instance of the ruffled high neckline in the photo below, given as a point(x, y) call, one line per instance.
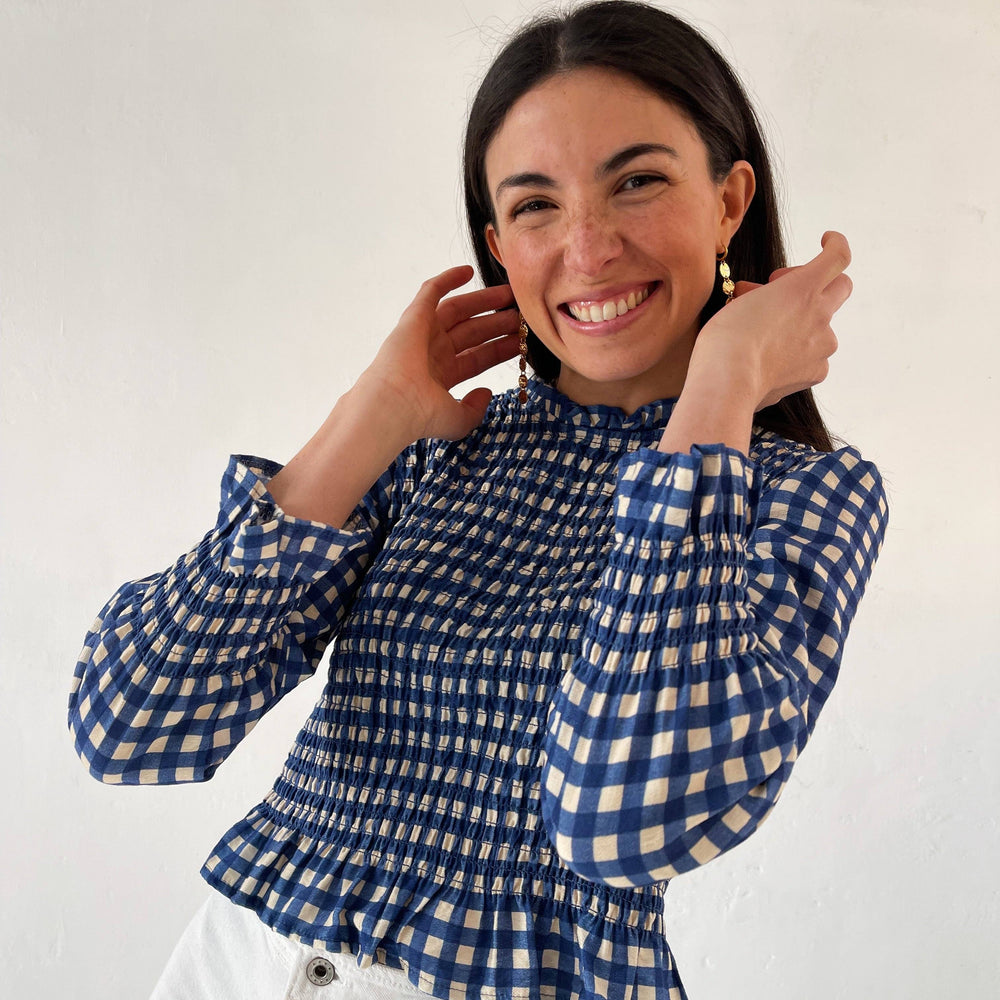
point(562, 409)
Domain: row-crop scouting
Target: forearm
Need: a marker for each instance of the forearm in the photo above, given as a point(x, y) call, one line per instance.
point(716, 406)
point(328, 477)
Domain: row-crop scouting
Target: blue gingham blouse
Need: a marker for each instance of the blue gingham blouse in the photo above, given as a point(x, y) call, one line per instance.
point(566, 668)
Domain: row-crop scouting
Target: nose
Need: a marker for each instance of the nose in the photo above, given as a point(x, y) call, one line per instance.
point(592, 241)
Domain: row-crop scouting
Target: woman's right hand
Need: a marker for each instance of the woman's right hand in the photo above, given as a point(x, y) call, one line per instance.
point(402, 396)
point(438, 343)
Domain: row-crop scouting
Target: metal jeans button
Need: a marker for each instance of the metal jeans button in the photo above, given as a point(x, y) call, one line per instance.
point(320, 972)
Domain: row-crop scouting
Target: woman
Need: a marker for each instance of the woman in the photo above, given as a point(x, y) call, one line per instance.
point(583, 629)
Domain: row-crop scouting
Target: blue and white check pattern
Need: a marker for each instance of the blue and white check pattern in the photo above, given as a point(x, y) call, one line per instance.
point(713, 643)
point(567, 667)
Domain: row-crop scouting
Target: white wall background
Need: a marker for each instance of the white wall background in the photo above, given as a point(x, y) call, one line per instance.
point(212, 212)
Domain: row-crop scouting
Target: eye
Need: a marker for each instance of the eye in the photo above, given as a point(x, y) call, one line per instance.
point(532, 206)
point(637, 181)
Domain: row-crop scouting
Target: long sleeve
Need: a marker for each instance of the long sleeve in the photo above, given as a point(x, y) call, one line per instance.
point(181, 665)
point(714, 639)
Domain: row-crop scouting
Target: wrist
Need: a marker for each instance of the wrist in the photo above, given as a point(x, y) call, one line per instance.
point(727, 362)
point(716, 406)
point(327, 478)
point(379, 413)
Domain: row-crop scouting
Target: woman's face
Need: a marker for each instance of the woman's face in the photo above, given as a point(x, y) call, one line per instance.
point(608, 223)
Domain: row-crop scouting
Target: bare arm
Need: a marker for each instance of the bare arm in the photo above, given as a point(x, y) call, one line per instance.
point(180, 665)
point(404, 395)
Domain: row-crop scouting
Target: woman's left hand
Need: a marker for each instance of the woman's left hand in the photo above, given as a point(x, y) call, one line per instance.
point(770, 341)
point(776, 339)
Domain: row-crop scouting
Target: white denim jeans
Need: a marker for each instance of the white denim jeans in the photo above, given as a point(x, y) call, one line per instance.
point(228, 953)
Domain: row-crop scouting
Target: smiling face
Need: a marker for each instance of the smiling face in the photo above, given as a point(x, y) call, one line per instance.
point(607, 222)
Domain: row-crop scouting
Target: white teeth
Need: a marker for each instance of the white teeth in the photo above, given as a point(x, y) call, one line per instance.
point(607, 310)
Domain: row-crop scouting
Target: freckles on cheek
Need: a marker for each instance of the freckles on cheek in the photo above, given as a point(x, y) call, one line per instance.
point(525, 277)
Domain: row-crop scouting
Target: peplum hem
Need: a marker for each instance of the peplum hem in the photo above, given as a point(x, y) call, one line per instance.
point(448, 936)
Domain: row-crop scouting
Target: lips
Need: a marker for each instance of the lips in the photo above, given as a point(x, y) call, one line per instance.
point(600, 310)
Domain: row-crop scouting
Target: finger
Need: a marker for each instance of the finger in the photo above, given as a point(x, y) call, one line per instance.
point(742, 287)
point(838, 291)
point(482, 328)
point(461, 417)
point(774, 275)
point(460, 307)
point(434, 289)
point(482, 358)
point(832, 260)
point(477, 401)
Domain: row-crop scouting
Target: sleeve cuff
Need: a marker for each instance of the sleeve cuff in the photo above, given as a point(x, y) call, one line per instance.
point(257, 539)
point(668, 497)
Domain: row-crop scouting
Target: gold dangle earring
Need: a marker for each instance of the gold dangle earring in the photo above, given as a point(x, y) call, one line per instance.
point(728, 286)
point(522, 379)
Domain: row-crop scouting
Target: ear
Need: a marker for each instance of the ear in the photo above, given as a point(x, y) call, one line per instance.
point(493, 242)
point(735, 194)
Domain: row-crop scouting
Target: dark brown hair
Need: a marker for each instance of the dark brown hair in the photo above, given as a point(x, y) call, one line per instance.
point(675, 61)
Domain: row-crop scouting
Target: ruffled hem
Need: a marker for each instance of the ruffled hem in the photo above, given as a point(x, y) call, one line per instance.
point(519, 937)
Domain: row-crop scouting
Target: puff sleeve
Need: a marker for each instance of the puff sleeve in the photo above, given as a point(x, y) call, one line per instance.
point(715, 637)
point(180, 666)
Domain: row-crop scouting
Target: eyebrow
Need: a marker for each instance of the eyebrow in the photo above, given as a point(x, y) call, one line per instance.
point(609, 166)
